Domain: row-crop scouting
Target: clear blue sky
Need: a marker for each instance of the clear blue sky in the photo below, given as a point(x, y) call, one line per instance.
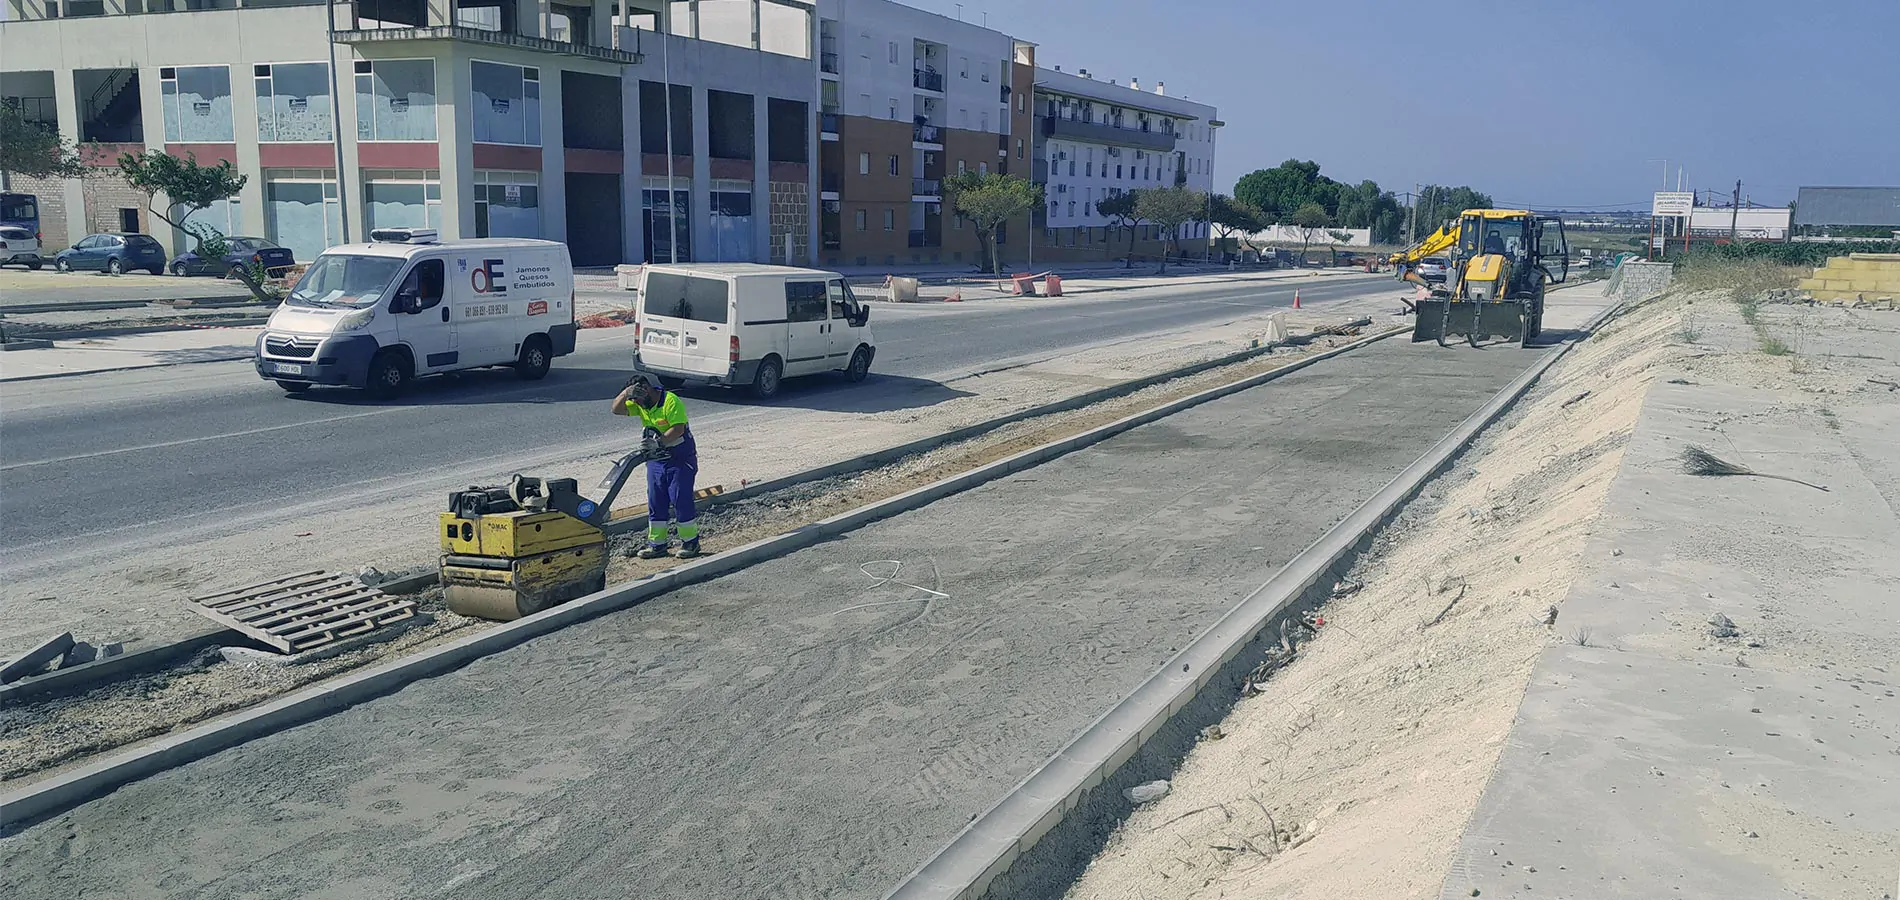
point(1778, 93)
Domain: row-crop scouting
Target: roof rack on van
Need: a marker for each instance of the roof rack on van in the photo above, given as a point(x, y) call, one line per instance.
point(403, 235)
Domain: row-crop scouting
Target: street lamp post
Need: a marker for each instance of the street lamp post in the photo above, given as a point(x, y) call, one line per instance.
point(336, 129)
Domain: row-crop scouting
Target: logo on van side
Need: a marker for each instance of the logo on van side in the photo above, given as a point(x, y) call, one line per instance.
point(538, 308)
point(488, 278)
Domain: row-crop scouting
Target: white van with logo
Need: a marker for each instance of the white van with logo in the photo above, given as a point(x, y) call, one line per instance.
point(376, 315)
point(749, 325)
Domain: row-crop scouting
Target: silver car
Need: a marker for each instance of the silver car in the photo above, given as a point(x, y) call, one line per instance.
point(1433, 268)
point(19, 247)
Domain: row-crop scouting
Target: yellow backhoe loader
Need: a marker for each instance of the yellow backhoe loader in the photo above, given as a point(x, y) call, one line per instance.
point(1501, 261)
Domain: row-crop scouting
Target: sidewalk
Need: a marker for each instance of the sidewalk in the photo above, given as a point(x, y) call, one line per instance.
point(81, 289)
point(133, 351)
point(1719, 717)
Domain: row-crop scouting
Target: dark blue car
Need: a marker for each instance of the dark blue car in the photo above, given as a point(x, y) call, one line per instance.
point(117, 252)
point(240, 253)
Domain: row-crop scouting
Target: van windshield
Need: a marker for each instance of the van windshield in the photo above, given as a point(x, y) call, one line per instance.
point(336, 279)
point(692, 297)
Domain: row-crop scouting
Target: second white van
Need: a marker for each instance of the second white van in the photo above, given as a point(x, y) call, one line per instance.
point(377, 315)
point(748, 325)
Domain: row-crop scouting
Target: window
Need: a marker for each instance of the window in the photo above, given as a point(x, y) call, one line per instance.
point(893, 53)
point(395, 100)
point(893, 165)
point(694, 297)
point(1118, 171)
point(1088, 168)
point(507, 204)
point(983, 121)
point(890, 220)
point(402, 199)
point(805, 301)
point(301, 210)
point(1019, 148)
point(963, 66)
point(983, 168)
point(1071, 209)
point(893, 109)
point(293, 102)
point(835, 290)
point(1022, 104)
point(959, 167)
point(859, 216)
point(506, 104)
point(1072, 168)
point(425, 283)
point(197, 102)
point(864, 164)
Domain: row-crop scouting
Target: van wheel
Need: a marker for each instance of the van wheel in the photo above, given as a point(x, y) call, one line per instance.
point(388, 375)
point(860, 366)
point(294, 387)
point(770, 377)
point(536, 357)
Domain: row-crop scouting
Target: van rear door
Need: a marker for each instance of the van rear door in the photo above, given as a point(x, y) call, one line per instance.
point(684, 323)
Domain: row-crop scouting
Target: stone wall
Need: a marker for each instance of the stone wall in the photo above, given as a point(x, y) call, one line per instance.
point(52, 201)
point(791, 214)
point(1638, 279)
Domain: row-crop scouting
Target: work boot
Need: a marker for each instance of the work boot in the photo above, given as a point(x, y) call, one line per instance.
point(652, 551)
point(688, 549)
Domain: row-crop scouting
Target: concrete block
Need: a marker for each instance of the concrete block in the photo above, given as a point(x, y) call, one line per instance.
point(78, 655)
point(1837, 284)
point(27, 345)
point(1810, 284)
point(37, 658)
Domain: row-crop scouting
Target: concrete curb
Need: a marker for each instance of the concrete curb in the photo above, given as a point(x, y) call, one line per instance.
point(986, 848)
point(70, 789)
point(62, 682)
point(8, 379)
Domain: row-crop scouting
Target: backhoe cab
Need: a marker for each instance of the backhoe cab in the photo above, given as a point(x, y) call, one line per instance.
point(1502, 259)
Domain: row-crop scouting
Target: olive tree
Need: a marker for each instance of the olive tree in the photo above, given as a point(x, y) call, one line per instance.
point(192, 188)
point(988, 199)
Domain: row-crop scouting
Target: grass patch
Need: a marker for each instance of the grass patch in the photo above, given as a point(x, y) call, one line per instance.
point(1773, 346)
point(1745, 279)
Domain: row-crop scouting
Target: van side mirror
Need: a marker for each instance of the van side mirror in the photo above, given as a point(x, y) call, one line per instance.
point(860, 315)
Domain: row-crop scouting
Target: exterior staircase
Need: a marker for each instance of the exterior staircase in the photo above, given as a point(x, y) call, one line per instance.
point(1857, 278)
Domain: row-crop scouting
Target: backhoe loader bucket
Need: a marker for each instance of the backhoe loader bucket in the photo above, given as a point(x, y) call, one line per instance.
point(1441, 318)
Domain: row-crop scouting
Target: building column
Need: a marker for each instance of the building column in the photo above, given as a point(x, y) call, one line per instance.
point(762, 177)
point(455, 133)
point(633, 177)
point(244, 130)
point(66, 107)
point(553, 159)
point(349, 177)
point(700, 222)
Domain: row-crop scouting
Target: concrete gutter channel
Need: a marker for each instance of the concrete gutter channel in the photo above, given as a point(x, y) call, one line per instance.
point(1076, 796)
point(28, 804)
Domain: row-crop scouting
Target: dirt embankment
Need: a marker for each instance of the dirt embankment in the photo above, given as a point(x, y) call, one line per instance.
point(1352, 774)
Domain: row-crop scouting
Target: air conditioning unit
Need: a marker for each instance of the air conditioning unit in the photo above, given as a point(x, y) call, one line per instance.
point(1062, 155)
point(1062, 188)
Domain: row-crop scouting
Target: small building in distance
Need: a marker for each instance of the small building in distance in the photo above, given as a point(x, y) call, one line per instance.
point(1848, 211)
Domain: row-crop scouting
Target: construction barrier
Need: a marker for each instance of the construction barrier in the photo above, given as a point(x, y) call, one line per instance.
point(903, 290)
point(1052, 285)
point(1023, 284)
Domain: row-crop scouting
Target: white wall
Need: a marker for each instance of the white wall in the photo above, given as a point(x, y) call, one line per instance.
point(865, 31)
point(1759, 223)
point(1287, 234)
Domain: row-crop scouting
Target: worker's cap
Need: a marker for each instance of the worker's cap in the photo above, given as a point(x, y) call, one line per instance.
point(646, 380)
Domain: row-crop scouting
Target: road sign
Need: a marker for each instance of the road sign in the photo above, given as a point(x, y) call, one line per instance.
point(1672, 203)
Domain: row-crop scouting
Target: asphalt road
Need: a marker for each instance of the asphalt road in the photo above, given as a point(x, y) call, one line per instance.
point(811, 726)
point(92, 465)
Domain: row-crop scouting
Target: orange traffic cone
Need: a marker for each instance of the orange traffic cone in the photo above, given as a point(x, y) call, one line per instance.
point(1296, 299)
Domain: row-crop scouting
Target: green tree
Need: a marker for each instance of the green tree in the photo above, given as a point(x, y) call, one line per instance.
point(1121, 209)
point(1310, 219)
point(1233, 217)
point(35, 149)
point(191, 188)
point(1171, 208)
point(988, 200)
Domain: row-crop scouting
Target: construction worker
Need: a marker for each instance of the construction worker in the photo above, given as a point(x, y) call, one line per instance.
point(669, 481)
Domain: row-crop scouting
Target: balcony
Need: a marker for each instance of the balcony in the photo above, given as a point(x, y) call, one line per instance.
point(1099, 133)
point(828, 62)
point(828, 123)
point(925, 80)
point(829, 182)
point(926, 134)
point(926, 187)
point(626, 49)
point(921, 238)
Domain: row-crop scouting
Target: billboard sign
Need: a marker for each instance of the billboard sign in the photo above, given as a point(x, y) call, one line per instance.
point(1672, 203)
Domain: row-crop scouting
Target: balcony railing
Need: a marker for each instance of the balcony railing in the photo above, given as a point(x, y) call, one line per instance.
point(828, 62)
point(926, 134)
point(1097, 132)
point(624, 49)
point(829, 182)
point(828, 123)
point(926, 187)
point(919, 238)
point(926, 80)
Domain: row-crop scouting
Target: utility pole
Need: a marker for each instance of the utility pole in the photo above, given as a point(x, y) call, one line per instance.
point(1411, 222)
point(1735, 212)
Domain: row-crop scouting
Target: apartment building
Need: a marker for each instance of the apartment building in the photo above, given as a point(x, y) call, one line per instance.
point(478, 117)
point(1096, 138)
point(906, 98)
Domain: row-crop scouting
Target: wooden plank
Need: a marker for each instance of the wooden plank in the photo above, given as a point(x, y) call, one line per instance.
point(247, 590)
point(370, 619)
point(633, 512)
point(296, 617)
point(252, 612)
point(257, 634)
point(262, 599)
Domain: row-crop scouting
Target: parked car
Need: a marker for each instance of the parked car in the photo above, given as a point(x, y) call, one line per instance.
point(240, 252)
point(19, 247)
point(117, 253)
point(1433, 268)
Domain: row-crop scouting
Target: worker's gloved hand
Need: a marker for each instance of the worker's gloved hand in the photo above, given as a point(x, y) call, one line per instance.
point(650, 445)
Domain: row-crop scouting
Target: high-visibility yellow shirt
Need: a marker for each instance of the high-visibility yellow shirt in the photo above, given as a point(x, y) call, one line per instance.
point(670, 412)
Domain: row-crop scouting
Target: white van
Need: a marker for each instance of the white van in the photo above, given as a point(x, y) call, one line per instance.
point(377, 315)
point(749, 325)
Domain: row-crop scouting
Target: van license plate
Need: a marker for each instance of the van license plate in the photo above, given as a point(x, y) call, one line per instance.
point(663, 338)
point(288, 369)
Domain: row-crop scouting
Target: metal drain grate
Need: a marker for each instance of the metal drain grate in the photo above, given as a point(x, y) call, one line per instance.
point(304, 611)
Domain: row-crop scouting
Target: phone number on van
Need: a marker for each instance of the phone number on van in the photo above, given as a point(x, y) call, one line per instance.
point(486, 309)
